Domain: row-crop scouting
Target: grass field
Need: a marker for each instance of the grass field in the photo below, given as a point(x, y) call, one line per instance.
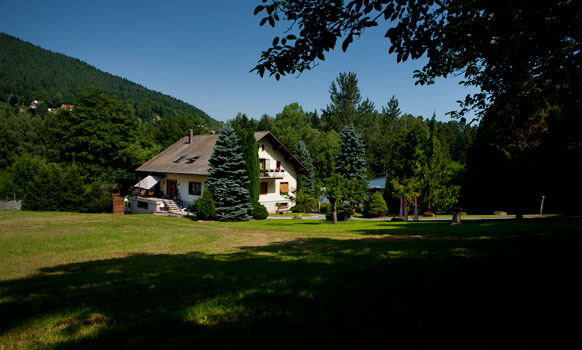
point(107, 281)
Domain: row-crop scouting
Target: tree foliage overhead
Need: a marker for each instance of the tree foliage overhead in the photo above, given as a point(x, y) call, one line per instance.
point(28, 72)
point(227, 178)
point(513, 49)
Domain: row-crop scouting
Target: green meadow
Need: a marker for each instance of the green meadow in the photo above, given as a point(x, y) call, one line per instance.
point(140, 281)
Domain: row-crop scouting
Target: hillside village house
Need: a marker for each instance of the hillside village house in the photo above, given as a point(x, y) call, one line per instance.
point(177, 175)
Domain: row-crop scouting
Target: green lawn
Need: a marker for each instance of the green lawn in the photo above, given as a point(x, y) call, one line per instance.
point(141, 281)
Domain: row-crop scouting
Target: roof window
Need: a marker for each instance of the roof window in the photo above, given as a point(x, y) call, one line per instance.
point(192, 159)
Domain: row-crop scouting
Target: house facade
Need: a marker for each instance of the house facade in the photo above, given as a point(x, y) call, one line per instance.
point(179, 173)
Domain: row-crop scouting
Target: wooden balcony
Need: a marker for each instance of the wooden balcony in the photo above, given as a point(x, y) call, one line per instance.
point(271, 174)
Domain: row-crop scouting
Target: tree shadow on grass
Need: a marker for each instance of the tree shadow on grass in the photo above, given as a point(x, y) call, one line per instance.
point(473, 229)
point(306, 292)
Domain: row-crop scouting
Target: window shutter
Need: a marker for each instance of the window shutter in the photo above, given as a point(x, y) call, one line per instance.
point(284, 187)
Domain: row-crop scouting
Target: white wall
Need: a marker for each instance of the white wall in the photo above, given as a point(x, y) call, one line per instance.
point(273, 197)
point(183, 180)
point(269, 200)
point(154, 205)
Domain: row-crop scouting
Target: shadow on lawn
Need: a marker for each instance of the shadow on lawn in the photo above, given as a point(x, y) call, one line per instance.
point(306, 292)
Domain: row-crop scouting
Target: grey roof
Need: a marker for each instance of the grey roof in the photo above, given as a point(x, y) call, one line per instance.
point(192, 158)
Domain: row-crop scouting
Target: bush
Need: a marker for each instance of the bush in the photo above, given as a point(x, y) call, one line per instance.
point(343, 213)
point(299, 208)
point(259, 212)
point(324, 208)
point(204, 207)
point(97, 200)
point(375, 206)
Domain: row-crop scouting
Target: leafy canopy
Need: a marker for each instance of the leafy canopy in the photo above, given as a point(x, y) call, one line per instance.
point(512, 48)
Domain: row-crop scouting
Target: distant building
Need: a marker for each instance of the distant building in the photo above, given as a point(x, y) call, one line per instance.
point(33, 104)
point(68, 107)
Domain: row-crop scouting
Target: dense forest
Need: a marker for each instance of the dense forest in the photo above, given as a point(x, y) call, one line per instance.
point(409, 149)
point(28, 72)
point(56, 157)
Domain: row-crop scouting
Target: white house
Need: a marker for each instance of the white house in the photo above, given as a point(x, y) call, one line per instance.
point(180, 172)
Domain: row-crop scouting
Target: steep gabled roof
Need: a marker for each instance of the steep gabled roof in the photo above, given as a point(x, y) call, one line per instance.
point(278, 146)
point(192, 158)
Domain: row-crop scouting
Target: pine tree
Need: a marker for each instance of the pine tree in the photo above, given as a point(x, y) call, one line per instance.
point(304, 157)
point(227, 178)
point(345, 100)
point(350, 161)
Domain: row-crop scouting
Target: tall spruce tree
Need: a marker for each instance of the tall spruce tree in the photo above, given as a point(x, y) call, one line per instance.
point(304, 157)
point(350, 161)
point(227, 178)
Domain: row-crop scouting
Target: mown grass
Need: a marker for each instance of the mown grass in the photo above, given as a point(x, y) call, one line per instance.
point(107, 281)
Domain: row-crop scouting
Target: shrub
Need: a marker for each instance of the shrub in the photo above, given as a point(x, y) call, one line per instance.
point(259, 212)
point(299, 208)
point(375, 206)
point(204, 207)
point(324, 208)
point(96, 200)
point(343, 213)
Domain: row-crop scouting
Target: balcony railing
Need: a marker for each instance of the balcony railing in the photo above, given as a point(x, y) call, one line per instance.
point(272, 173)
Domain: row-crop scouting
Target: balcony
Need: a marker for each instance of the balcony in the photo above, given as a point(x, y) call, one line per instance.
point(271, 174)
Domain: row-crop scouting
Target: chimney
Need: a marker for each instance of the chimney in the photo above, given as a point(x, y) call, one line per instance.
point(190, 134)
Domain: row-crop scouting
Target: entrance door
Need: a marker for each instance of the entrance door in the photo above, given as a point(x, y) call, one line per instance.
point(171, 188)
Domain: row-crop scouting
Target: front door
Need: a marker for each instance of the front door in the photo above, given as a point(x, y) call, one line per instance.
point(171, 188)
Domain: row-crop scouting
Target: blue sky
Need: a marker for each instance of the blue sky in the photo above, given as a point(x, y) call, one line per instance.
point(202, 51)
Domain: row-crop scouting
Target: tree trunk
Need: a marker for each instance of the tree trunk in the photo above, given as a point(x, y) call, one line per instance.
point(334, 206)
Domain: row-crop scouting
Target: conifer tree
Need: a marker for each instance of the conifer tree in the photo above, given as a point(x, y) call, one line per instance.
point(350, 161)
point(246, 135)
point(304, 157)
point(227, 178)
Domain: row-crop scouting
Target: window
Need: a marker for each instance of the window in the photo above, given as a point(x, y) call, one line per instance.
point(264, 188)
point(143, 205)
point(264, 164)
point(278, 165)
point(284, 188)
point(263, 147)
point(192, 159)
point(195, 188)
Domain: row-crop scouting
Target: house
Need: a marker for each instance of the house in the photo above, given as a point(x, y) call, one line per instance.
point(177, 175)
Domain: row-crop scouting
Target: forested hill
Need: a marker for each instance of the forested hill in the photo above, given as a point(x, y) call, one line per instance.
point(28, 72)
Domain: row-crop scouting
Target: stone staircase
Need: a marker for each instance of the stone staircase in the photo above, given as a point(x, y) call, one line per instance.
point(171, 205)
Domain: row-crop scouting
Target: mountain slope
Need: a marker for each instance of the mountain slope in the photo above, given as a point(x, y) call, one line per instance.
point(30, 72)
